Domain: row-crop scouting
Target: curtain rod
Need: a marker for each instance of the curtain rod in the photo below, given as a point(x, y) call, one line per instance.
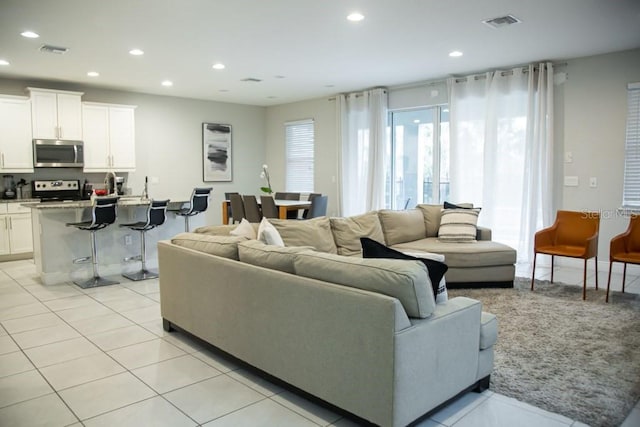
point(358, 93)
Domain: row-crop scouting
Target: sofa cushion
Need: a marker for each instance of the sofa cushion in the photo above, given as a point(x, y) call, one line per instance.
point(407, 281)
point(245, 229)
point(280, 258)
point(224, 246)
point(458, 225)
point(216, 230)
point(348, 231)
point(315, 232)
point(441, 293)
point(488, 330)
point(470, 254)
point(436, 269)
point(402, 226)
point(268, 234)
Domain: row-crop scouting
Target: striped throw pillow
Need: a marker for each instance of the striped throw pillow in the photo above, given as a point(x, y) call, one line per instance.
point(458, 225)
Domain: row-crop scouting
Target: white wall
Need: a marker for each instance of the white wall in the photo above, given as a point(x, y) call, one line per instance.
point(592, 125)
point(169, 141)
point(323, 112)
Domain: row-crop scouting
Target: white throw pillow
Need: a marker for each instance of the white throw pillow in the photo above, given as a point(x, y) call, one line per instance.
point(441, 295)
point(244, 229)
point(458, 225)
point(268, 234)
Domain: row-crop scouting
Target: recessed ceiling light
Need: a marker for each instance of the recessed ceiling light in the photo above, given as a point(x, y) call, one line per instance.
point(93, 74)
point(30, 34)
point(280, 77)
point(167, 83)
point(416, 121)
point(218, 66)
point(4, 62)
point(355, 17)
point(136, 52)
point(329, 85)
point(455, 54)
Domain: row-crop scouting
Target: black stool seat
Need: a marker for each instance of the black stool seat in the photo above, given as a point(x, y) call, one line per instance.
point(103, 214)
point(199, 203)
point(156, 215)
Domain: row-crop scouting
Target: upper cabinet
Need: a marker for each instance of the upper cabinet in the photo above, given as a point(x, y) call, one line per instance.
point(109, 137)
point(56, 114)
point(16, 152)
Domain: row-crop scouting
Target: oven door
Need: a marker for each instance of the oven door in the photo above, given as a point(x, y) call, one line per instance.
point(53, 153)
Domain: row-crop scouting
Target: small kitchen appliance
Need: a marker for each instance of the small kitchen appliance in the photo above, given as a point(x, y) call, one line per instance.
point(56, 190)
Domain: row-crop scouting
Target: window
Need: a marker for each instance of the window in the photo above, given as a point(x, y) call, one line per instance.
point(631, 189)
point(418, 157)
point(299, 151)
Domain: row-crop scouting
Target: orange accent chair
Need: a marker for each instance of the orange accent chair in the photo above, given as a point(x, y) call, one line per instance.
point(574, 235)
point(625, 248)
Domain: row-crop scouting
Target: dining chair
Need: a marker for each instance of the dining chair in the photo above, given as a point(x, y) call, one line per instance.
point(305, 213)
point(318, 207)
point(574, 235)
point(625, 248)
point(251, 208)
point(237, 207)
point(288, 196)
point(269, 208)
point(227, 196)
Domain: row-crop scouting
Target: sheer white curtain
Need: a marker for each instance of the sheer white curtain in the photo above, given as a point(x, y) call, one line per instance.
point(363, 124)
point(501, 126)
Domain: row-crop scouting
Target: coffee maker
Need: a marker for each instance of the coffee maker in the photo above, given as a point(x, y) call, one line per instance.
point(9, 186)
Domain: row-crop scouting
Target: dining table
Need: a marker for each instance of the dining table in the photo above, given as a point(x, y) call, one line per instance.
point(283, 206)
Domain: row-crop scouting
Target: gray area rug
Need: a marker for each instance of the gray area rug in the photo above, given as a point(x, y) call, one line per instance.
point(580, 359)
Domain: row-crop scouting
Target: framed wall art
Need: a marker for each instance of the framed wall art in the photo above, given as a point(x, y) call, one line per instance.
point(216, 152)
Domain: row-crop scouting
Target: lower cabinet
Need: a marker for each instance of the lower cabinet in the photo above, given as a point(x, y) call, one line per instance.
point(16, 235)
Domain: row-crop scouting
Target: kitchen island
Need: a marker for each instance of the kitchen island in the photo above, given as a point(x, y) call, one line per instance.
point(55, 245)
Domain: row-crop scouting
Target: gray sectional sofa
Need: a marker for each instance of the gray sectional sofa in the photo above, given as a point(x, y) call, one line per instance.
point(362, 334)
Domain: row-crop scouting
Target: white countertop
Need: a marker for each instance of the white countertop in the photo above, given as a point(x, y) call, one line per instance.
point(81, 204)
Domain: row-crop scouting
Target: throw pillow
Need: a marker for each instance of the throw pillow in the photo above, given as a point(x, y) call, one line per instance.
point(441, 295)
point(268, 233)
point(458, 225)
point(244, 229)
point(435, 269)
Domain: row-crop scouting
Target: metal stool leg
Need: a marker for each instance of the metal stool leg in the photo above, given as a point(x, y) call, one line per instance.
point(186, 223)
point(96, 280)
point(143, 274)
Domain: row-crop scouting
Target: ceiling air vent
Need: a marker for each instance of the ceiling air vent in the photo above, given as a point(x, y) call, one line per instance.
point(53, 49)
point(501, 21)
point(251, 79)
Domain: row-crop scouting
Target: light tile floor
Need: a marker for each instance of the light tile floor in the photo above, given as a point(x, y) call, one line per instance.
point(99, 357)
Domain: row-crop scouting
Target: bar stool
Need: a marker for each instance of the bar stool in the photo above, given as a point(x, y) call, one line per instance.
point(199, 203)
point(156, 214)
point(103, 214)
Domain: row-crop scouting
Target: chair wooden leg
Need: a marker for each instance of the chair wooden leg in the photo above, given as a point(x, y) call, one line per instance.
point(584, 281)
point(533, 272)
point(552, 258)
point(608, 282)
point(596, 272)
point(624, 275)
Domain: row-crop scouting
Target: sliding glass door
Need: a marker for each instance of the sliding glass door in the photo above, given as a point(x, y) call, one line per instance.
point(418, 157)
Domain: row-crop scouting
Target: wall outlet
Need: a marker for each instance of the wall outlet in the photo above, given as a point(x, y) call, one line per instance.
point(568, 157)
point(593, 182)
point(127, 239)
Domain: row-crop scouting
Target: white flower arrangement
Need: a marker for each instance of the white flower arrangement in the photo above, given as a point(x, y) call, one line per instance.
point(265, 175)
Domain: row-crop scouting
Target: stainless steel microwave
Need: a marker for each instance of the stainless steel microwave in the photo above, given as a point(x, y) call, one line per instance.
point(54, 153)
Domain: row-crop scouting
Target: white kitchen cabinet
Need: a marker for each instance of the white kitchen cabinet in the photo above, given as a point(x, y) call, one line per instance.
point(16, 235)
point(56, 114)
point(16, 148)
point(109, 137)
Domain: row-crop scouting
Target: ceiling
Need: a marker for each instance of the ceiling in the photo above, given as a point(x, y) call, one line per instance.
point(300, 49)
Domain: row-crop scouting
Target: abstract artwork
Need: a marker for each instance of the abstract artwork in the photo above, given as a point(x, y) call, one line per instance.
point(216, 155)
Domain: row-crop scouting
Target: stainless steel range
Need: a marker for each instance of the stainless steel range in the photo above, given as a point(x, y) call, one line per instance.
point(56, 190)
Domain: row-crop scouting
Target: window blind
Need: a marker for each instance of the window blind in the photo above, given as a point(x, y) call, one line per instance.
point(631, 190)
point(300, 146)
